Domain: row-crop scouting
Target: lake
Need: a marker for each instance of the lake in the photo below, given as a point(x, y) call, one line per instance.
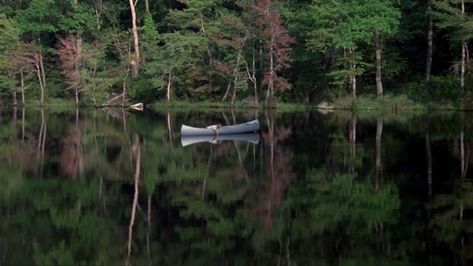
point(113, 187)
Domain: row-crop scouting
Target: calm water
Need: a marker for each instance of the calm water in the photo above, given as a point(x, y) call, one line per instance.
point(108, 187)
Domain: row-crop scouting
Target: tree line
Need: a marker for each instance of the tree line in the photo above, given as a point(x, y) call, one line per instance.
point(107, 52)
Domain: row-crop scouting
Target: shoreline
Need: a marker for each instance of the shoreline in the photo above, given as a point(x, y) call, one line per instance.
point(362, 104)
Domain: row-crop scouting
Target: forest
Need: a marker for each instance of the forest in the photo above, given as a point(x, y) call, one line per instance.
point(253, 52)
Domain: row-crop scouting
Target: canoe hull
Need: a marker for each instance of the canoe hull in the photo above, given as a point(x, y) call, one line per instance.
point(247, 127)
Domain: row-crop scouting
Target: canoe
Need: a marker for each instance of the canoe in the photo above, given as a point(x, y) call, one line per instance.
point(248, 137)
point(250, 126)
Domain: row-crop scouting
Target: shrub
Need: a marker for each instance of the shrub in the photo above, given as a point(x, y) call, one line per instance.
point(438, 89)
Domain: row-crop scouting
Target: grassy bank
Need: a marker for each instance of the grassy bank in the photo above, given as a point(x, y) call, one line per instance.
point(396, 103)
point(387, 103)
point(362, 103)
point(239, 105)
point(57, 104)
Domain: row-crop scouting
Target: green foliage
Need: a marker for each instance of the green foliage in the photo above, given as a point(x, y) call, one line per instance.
point(10, 34)
point(40, 19)
point(204, 47)
point(178, 53)
point(347, 24)
point(343, 70)
point(95, 76)
point(79, 20)
point(43, 19)
point(150, 36)
point(439, 89)
point(449, 15)
point(9, 42)
point(341, 28)
point(342, 200)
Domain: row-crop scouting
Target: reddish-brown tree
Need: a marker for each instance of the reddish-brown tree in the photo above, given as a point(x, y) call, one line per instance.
point(278, 45)
point(36, 60)
point(18, 64)
point(69, 56)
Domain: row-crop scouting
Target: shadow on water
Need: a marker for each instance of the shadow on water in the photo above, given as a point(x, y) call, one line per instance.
point(112, 187)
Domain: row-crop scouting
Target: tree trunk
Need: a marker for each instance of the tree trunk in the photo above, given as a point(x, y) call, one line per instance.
point(169, 86)
point(14, 117)
point(232, 80)
point(428, 206)
point(260, 52)
point(125, 82)
point(352, 139)
point(227, 91)
point(23, 116)
point(147, 6)
point(136, 152)
point(149, 227)
point(136, 41)
point(78, 66)
point(98, 7)
point(430, 44)
point(271, 66)
point(22, 82)
point(209, 52)
point(379, 48)
point(234, 91)
point(253, 77)
point(353, 86)
point(352, 77)
point(463, 67)
point(41, 87)
point(76, 92)
point(94, 87)
point(379, 165)
point(41, 142)
point(464, 155)
point(37, 62)
point(269, 95)
point(428, 151)
point(77, 63)
point(13, 94)
point(40, 136)
point(43, 76)
point(463, 70)
point(124, 92)
point(169, 125)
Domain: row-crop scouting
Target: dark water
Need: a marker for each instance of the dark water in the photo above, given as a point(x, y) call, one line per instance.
point(113, 188)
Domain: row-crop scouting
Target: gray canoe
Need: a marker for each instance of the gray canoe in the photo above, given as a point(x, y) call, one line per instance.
point(247, 127)
point(248, 137)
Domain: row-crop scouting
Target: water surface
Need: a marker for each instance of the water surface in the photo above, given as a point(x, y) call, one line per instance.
point(110, 187)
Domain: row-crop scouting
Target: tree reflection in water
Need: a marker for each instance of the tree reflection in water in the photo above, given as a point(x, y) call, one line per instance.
point(278, 170)
point(338, 189)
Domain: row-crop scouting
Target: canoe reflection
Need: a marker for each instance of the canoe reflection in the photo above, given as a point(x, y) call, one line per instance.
point(189, 140)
